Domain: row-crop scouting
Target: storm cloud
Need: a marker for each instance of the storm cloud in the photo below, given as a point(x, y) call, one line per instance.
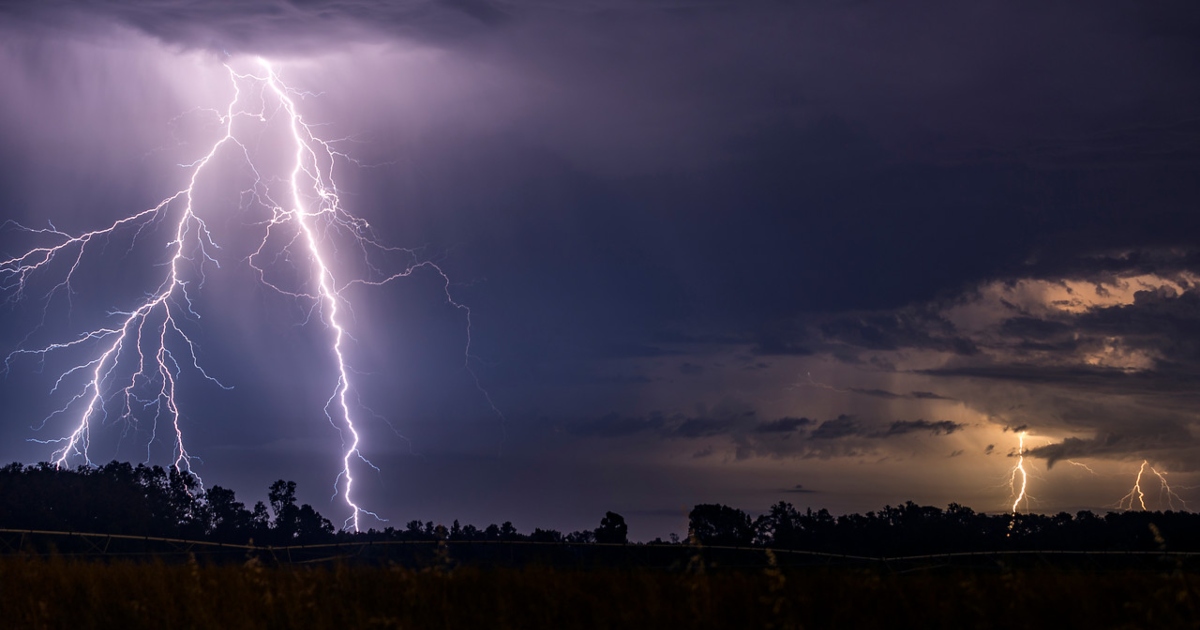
point(708, 247)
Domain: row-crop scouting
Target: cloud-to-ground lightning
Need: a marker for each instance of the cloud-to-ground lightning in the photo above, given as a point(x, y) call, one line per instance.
point(1135, 494)
point(1018, 480)
point(134, 363)
point(1136, 498)
point(1166, 493)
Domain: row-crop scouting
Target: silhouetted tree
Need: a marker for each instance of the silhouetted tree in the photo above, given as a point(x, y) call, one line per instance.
point(581, 537)
point(229, 520)
point(295, 524)
point(260, 517)
point(282, 495)
point(545, 535)
point(779, 527)
point(715, 524)
point(311, 526)
point(139, 500)
point(612, 529)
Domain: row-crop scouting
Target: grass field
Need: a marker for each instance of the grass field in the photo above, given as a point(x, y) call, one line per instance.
point(40, 592)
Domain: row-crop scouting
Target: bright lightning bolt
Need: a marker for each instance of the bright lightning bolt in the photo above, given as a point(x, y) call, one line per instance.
point(1018, 479)
point(1166, 493)
point(157, 315)
point(136, 362)
point(1135, 494)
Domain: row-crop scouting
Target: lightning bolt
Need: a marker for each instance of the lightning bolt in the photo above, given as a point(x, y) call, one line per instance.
point(133, 366)
point(1135, 494)
point(155, 318)
point(1166, 493)
point(1018, 479)
point(1081, 465)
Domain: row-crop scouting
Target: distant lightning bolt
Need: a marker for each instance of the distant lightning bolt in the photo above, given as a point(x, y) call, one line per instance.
point(1081, 465)
point(1166, 493)
point(1135, 494)
point(1018, 479)
point(137, 361)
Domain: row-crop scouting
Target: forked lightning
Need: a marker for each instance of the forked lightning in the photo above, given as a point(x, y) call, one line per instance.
point(133, 365)
point(1018, 479)
point(1136, 498)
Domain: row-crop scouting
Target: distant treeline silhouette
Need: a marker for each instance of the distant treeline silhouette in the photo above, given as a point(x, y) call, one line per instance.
point(120, 498)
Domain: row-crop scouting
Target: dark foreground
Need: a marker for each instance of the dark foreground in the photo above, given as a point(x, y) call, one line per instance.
point(36, 592)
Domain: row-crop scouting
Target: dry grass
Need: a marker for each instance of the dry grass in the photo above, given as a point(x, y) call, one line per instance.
point(58, 593)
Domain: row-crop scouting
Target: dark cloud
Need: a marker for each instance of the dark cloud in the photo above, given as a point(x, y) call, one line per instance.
point(260, 26)
point(940, 427)
point(1110, 380)
point(781, 437)
point(1033, 328)
point(1100, 264)
point(882, 393)
point(633, 188)
point(799, 489)
point(1155, 439)
point(840, 427)
point(703, 427)
point(843, 436)
point(1161, 325)
point(847, 426)
point(902, 329)
point(878, 393)
point(782, 425)
point(1159, 320)
point(979, 85)
point(721, 423)
point(929, 396)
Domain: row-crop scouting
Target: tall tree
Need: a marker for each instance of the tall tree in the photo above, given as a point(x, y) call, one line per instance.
point(612, 529)
point(282, 495)
point(715, 524)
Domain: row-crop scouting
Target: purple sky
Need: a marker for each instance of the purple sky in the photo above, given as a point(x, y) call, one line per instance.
point(833, 253)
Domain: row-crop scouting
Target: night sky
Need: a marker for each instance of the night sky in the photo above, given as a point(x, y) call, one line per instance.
point(837, 253)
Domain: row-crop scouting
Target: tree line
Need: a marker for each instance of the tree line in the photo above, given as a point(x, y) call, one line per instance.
point(912, 529)
point(121, 498)
point(141, 500)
